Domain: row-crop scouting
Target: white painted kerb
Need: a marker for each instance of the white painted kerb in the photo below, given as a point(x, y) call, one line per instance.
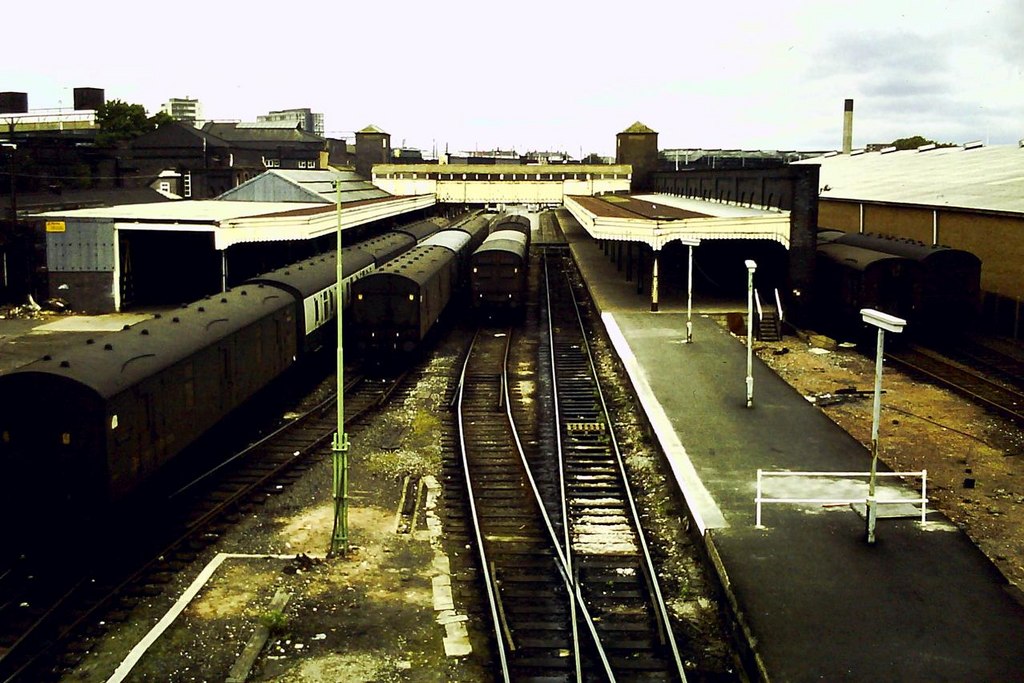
point(154, 633)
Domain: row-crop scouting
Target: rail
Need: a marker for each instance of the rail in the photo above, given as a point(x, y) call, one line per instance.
point(577, 386)
point(760, 499)
point(757, 302)
point(778, 304)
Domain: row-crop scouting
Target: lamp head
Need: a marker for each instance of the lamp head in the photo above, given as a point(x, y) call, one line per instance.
point(889, 323)
point(751, 266)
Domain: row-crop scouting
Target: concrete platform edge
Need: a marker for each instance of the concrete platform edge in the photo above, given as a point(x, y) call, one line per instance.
point(749, 641)
point(645, 395)
point(703, 509)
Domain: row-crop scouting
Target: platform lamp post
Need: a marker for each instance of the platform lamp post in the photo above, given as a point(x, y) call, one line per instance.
point(884, 322)
point(751, 267)
point(690, 242)
point(339, 448)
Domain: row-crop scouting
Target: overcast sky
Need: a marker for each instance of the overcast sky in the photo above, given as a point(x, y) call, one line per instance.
point(547, 75)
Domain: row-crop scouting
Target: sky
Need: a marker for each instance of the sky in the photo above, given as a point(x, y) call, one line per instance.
point(554, 75)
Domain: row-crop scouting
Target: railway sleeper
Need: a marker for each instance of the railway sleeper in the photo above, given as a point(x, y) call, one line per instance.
point(523, 586)
point(545, 662)
point(581, 449)
point(577, 467)
point(583, 487)
point(553, 610)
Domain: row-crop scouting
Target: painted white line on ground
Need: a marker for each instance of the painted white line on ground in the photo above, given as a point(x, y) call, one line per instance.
point(703, 507)
point(135, 655)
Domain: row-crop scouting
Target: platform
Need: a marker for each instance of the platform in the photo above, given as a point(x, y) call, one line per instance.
point(815, 602)
point(24, 340)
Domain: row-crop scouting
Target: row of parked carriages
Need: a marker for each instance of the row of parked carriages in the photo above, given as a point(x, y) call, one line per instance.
point(936, 289)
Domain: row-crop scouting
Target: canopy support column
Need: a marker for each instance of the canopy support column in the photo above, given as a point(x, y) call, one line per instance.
point(654, 282)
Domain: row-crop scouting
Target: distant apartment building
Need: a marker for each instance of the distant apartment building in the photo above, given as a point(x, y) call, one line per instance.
point(308, 120)
point(183, 109)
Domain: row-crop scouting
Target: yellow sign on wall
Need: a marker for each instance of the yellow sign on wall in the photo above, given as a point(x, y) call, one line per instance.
point(55, 226)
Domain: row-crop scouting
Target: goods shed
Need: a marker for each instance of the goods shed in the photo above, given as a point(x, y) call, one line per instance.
point(968, 197)
point(108, 259)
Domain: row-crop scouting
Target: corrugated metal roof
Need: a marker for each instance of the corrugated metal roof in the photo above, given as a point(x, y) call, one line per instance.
point(283, 125)
point(237, 222)
point(295, 185)
point(528, 169)
point(702, 207)
point(983, 178)
point(189, 211)
point(237, 134)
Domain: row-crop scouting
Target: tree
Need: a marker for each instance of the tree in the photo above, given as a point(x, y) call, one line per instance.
point(917, 141)
point(119, 120)
point(160, 118)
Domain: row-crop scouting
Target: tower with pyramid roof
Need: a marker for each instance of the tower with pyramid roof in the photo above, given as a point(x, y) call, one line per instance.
point(638, 146)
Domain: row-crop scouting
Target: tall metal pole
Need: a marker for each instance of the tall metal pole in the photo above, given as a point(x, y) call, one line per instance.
point(751, 267)
point(691, 243)
point(883, 321)
point(689, 292)
point(876, 415)
point(339, 449)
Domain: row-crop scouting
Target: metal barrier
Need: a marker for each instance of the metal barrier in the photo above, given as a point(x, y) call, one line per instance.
point(922, 501)
point(778, 304)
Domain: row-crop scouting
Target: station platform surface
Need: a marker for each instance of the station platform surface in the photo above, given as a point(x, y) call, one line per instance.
point(24, 340)
point(814, 600)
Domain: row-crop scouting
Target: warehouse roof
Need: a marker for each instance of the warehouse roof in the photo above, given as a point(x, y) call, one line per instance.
point(316, 185)
point(970, 177)
point(237, 222)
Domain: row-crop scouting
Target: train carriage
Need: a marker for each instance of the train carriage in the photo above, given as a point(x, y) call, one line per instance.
point(497, 278)
point(385, 247)
point(89, 426)
point(313, 282)
point(950, 285)
point(477, 227)
point(420, 230)
point(851, 278)
point(463, 239)
point(515, 222)
point(395, 307)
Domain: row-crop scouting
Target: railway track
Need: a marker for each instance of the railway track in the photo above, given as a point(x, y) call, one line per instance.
point(51, 609)
point(610, 558)
point(518, 561)
point(558, 521)
point(999, 396)
point(1002, 361)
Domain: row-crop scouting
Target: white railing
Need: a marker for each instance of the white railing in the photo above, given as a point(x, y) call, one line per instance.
point(778, 304)
point(922, 501)
point(757, 302)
